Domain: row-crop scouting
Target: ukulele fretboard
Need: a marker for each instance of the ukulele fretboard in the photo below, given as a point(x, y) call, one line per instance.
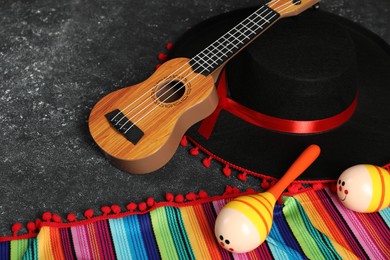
point(233, 41)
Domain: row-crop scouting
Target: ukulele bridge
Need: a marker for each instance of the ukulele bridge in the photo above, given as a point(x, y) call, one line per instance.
point(124, 126)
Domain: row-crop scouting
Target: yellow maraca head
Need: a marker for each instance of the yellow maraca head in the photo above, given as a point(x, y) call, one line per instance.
point(364, 188)
point(235, 232)
point(244, 223)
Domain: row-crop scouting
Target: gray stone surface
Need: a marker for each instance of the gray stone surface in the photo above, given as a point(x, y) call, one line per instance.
point(57, 59)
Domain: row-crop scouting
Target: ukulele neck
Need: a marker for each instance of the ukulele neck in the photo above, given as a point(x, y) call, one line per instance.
point(232, 42)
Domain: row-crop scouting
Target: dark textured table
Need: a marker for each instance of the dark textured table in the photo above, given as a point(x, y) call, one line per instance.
point(57, 59)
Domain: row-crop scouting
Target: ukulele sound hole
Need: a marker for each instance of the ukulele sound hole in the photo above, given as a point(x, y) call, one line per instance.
point(170, 91)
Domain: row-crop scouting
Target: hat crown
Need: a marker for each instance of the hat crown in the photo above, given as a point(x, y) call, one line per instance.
point(328, 38)
point(297, 71)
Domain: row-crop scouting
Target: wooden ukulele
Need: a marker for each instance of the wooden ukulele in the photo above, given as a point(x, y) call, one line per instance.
point(140, 127)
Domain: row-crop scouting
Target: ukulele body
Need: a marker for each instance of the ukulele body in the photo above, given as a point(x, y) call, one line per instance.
point(140, 127)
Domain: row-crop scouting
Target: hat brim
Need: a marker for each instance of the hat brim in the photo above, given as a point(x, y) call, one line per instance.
point(364, 138)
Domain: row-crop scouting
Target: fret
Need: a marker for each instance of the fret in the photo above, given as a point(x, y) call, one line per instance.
point(233, 41)
point(208, 57)
point(204, 68)
point(263, 18)
point(240, 33)
point(228, 47)
point(225, 45)
point(255, 23)
point(201, 65)
point(247, 28)
point(211, 54)
point(219, 50)
point(215, 48)
point(234, 37)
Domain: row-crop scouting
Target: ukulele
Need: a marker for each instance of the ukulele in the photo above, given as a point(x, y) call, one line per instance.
point(140, 127)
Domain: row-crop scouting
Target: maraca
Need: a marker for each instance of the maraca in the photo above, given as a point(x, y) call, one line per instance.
point(245, 222)
point(364, 188)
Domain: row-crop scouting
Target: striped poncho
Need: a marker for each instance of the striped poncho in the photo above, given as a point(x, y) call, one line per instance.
point(310, 225)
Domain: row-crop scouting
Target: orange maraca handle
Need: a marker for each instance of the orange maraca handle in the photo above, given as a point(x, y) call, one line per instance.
point(308, 156)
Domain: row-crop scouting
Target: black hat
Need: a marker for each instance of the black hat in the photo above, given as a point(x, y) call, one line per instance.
point(315, 78)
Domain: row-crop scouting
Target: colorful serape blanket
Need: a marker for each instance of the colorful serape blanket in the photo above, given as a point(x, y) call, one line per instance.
point(310, 225)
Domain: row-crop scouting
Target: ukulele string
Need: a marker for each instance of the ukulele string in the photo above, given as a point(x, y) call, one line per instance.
point(191, 72)
point(202, 70)
point(124, 116)
point(169, 82)
point(195, 75)
point(271, 3)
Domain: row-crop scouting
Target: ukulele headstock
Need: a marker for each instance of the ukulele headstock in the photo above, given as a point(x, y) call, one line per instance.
point(288, 8)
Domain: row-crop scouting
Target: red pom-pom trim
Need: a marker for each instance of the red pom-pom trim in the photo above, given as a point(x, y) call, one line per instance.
point(318, 186)
point(194, 151)
point(106, 210)
point(56, 218)
point(38, 223)
point(179, 198)
point(150, 202)
point(162, 56)
point(235, 190)
point(157, 66)
point(242, 176)
point(207, 162)
point(191, 196)
point(142, 206)
point(46, 216)
point(294, 188)
point(228, 190)
point(131, 206)
point(184, 141)
point(169, 46)
point(88, 213)
point(169, 197)
point(250, 190)
point(227, 171)
point(116, 209)
point(265, 184)
point(31, 227)
point(71, 217)
point(202, 194)
point(16, 227)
